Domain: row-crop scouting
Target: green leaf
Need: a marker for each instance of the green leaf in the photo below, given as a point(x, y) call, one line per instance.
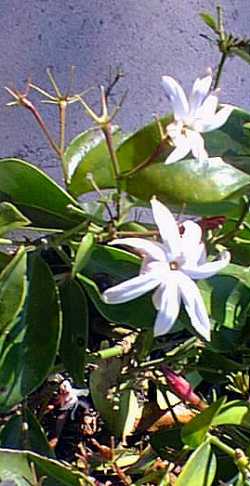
point(12, 289)
point(227, 296)
point(37, 196)
point(236, 412)
point(203, 187)
point(88, 153)
point(14, 436)
point(195, 431)
point(200, 468)
point(83, 253)
point(116, 265)
point(28, 357)
point(243, 52)
point(10, 218)
point(118, 412)
point(74, 338)
point(210, 21)
point(138, 313)
point(206, 188)
point(214, 366)
point(15, 465)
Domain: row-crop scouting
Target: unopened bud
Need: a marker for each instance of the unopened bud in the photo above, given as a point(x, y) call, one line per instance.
point(182, 388)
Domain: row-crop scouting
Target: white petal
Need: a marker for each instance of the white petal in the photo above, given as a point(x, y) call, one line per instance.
point(200, 90)
point(194, 305)
point(208, 269)
point(208, 108)
point(177, 97)
point(130, 289)
point(197, 145)
point(153, 249)
point(217, 120)
point(182, 149)
point(157, 296)
point(168, 228)
point(192, 247)
point(168, 309)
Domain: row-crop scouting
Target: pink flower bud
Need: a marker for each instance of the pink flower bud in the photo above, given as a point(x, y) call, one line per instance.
point(182, 388)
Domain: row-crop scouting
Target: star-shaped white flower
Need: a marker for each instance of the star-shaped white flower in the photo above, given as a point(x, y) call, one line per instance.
point(170, 267)
point(193, 117)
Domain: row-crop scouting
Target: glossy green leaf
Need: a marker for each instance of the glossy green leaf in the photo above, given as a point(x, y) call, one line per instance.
point(195, 431)
point(75, 328)
point(202, 187)
point(209, 20)
point(236, 412)
point(14, 436)
point(205, 188)
point(12, 289)
point(88, 153)
point(15, 465)
point(83, 253)
point(10, 218)
point(29, 356)
point(200, 468)
point(227, 296)
point(37, 196)
point(118, 412)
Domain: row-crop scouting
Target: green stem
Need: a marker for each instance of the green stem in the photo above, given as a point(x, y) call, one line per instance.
point(220, 69)
point(238, 456)
point(231, 234)
point(223, 447)
point(108, 353)
point(115, 163)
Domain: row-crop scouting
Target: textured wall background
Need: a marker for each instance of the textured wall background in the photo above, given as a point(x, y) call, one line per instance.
point(148, 38)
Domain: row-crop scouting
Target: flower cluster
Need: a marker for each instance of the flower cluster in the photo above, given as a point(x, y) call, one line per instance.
point(170, 267)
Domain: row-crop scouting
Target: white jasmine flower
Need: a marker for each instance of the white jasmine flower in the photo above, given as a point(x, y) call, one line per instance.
point(170, 267)
point(193, 117)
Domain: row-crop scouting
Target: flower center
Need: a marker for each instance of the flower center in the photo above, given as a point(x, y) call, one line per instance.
point(174, 266)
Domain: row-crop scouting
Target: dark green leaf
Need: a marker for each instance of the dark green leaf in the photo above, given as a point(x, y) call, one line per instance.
point(15, 436)
point(210, 21)
point(10, 218)
point(75, 328)
point(166, 442)
point(227, 296)
point(200, 468)
point(195, 431)
point(83, 253)
point(88, 153)
point(37, 196)
point(29, 357)
point(138, 313)
point(214, 366)
point(12, 289)
point(118, 412)
point(116, 265)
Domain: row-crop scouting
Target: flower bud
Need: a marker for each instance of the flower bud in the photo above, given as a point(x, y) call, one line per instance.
point(182, 388)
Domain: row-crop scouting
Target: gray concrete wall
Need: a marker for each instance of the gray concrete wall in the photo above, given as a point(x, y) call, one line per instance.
point(148, 38)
